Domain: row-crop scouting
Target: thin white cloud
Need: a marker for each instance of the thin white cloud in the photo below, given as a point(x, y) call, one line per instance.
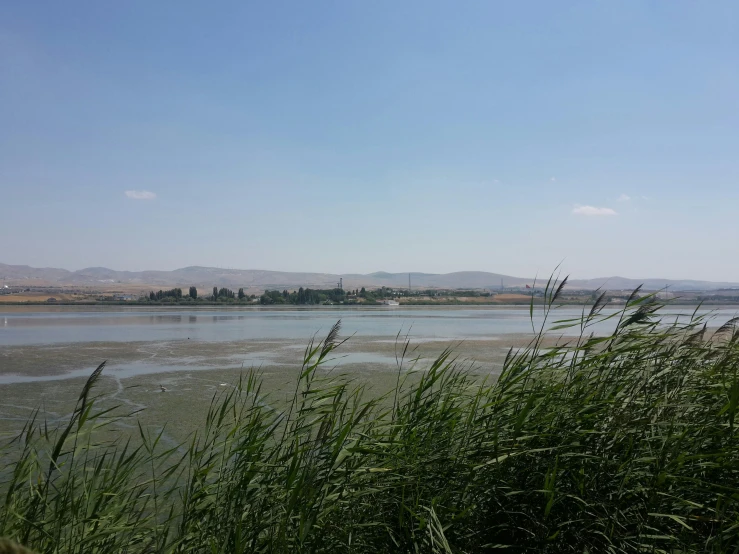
point(553, 179)
point(624, 198)
point(592, 211)
point(141, 195)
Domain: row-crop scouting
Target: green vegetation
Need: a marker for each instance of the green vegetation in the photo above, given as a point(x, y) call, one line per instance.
point(175, 294)
point(407, 297)
point(304, 296)
point(308, 296)
point(623, 442)
point(223, 293)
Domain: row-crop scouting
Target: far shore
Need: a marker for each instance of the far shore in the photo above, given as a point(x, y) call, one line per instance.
point(71, 306)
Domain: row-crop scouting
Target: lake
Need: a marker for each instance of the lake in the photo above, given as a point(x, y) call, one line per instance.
point(43, 343)
point(25, 327)
point(32, 325)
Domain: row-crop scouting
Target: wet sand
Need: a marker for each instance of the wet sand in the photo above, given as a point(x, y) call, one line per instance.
point(50, 377)
point(37, 363)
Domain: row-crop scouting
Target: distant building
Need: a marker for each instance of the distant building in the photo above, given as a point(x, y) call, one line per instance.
point(390, 303)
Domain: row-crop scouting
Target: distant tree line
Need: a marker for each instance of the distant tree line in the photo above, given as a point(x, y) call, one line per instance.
point(303, 296)
point(307, 296)
point(222, 293)
point(162, 294)
point(219, 294)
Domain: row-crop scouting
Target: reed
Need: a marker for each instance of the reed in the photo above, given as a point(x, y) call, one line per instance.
point(618, 442)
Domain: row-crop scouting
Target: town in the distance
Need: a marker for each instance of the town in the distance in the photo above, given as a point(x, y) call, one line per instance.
point(218, 286)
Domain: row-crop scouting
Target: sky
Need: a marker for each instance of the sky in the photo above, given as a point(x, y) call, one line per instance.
point(353, 136)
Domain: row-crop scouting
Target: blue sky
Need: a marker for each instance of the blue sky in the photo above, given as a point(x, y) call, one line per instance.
point(360, 136)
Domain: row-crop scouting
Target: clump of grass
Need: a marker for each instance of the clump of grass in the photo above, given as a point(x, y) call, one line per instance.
point(618, 442)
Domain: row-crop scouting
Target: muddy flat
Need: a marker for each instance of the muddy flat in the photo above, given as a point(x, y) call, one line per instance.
point(46, 355)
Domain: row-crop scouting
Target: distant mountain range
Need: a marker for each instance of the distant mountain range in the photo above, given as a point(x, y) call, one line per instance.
point(262, 279)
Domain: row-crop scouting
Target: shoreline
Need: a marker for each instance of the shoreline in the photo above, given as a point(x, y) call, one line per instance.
point(53, 307)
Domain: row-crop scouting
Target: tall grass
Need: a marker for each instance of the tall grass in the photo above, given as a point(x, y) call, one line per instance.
point(623, 442)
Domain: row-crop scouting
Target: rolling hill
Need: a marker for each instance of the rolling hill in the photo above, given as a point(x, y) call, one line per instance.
point(264, 279)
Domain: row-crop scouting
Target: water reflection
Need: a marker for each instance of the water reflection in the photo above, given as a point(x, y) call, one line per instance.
point(165, 318)
point(24, 328)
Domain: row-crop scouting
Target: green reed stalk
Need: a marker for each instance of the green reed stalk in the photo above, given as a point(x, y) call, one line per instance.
point(624, 441)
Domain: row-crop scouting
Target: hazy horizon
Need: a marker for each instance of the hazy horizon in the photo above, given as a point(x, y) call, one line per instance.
point(357, 137)
point(560, 272)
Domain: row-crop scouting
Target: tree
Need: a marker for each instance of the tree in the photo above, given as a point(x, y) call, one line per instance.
point(172, 294)
point(215, 293)
point(193, 293)
point(241, 294)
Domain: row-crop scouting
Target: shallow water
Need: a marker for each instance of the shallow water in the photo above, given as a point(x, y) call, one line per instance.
point(19, 327)
point(39, 344)
point(124, 370)
point(210, 326)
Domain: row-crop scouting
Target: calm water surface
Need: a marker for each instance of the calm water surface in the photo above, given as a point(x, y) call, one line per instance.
point(61, 325)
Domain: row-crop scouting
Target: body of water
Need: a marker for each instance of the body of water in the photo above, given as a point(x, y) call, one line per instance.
point(61, 342)
point(32, 326)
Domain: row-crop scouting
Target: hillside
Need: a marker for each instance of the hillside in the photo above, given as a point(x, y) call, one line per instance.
point(264, 279)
